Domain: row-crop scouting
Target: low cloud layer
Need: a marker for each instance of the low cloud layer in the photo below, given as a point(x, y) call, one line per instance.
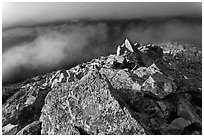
point(36, 50)
point(20, 14)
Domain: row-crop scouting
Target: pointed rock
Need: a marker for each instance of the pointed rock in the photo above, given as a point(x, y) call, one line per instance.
point(92, 104)
point(128, 45)
point(118, 50)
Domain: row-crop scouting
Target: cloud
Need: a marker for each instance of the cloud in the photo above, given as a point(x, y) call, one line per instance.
point(23, 13)
point(174, 30)
point(53, 47)
point(63, 46)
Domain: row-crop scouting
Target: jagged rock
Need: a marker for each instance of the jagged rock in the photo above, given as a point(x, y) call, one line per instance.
point(180, 123)
point(33, 128)
point(145, 72)
point(162, 105)
point(158, 85)
point(120, 59)
point(10, 90)
point(9, 129)
point(141, 90)
point(152, 51)
point(128, 45)
point(110, 60)
point(125, 48)
point(24, 106)
point(185, 110)
point(169, 130)
point(119, 79)
point(91, 105)
point(176, 127)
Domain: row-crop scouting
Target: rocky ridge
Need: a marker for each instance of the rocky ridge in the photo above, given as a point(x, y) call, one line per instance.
point(142, 89)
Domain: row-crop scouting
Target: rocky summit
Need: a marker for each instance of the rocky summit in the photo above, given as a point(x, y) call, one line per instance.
point(142, 89)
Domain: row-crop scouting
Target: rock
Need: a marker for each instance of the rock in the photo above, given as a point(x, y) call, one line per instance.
point(145, 72)
point(153, 122)
point(196, 133)
point(24, 107)
point(142, 73)
point(120, 59)
point(146, 60)
point(176, 127)
point(9, 129)
point(125, 48)
point(141, 90)
point(158, 85)
point(33, 128)
point(150, 53)
point(92, 104)
point(180, 123)
point(167, 129)
point(110, 60)
point(119, 79)
point(128, 45)
point(186, 111)
point(10, 90)
point(162, 105)
point(118, 51)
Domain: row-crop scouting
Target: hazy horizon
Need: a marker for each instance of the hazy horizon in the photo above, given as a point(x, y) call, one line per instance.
point(33, 49)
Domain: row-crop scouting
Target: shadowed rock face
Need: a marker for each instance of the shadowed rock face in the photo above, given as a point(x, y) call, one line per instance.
point(143, 89)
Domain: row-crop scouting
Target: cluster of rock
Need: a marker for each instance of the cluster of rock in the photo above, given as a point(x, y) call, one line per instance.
point(139, 90)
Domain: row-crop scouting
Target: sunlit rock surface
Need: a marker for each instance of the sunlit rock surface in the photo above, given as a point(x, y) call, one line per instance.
point(142, 89)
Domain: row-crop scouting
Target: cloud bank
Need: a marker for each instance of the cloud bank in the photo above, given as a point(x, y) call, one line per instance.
point(30, 51)
point(20, 14)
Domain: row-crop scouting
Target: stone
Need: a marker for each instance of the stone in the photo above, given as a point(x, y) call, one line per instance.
point(9, 129)
point(33, 128)
point(125, 48)
point(167, 129)
point(158, 85)
point(145, 72)
point(138, 91)
point(196, 133)
point(176, 127)
point(186, 111)
point(24, 107)
point(162, 105)
point(118, 51)
point(91, 105)
point(119, 79)
point(180, 123)
point(128, 45)
point(120, 59)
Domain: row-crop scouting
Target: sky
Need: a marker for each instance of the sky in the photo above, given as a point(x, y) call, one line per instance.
point(37, 37)
point(34, 13)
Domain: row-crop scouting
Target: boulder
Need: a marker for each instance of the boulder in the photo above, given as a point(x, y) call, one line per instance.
point(128, 45)
point(90, 106)
point(9, 129)
point(158, 85)
point(180, 123)
point(125, 48)
point(141, 90)
point(186, 111)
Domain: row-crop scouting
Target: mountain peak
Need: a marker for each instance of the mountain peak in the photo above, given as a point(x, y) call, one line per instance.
point(139, 90)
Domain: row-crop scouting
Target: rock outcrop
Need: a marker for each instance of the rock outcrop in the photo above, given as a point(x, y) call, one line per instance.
point(142, 89)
